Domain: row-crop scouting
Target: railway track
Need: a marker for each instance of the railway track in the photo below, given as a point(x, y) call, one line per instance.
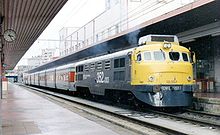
point(212, 121)
point(203, 113)
point(158, 121)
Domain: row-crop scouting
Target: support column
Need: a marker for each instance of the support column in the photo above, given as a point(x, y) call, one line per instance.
point(1, 44)
point(216, 43)
point(1, 74)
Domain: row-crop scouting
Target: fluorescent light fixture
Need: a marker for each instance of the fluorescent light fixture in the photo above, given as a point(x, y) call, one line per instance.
point(216, 34)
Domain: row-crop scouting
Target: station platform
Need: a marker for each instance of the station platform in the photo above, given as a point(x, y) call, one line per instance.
point(25, 113)
point(209, 102)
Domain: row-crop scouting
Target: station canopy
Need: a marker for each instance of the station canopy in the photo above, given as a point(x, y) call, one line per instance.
point(28, 19)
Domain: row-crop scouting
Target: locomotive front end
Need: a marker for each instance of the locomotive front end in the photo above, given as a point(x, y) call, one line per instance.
point(162, 72)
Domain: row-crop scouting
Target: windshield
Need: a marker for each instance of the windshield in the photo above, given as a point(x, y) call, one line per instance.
point(159, 56)
point(147, 56)
point(175, 56)
point(178, 56)
point(151, 55)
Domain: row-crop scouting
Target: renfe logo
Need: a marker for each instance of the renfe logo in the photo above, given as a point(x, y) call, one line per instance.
point(100, 78)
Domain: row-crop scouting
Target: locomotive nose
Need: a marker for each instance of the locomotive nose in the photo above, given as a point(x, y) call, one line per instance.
point(176, 73)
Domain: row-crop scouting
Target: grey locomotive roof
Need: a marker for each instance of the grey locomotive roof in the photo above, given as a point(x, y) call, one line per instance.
point(104, 57)
point(108, 56)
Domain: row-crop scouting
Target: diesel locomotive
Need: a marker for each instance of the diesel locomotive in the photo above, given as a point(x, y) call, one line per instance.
point(158, 72)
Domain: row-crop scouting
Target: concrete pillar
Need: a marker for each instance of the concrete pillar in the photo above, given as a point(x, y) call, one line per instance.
point(216, 42)
point(1, 92)
point(1, 44)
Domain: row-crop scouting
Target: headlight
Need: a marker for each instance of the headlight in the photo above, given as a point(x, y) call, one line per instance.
point(167, 45)
point(151, 78)
point(189, 78)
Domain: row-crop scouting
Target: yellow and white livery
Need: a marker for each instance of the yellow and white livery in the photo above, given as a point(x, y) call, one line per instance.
point(163, 70)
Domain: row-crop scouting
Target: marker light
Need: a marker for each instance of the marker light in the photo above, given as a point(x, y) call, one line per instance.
point(189, 78)
point(151, 78)
point(167, 45)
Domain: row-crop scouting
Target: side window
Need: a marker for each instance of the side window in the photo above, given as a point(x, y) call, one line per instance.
point(139, 57)
point(147, 56)
point(79, 68)
point(119, 76)
point(118, 63)
point(185, 57)
point(122, 62)
point(175, 56)
point(79, 77)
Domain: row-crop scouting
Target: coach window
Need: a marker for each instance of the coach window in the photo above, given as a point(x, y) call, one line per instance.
point(147, 56)
point(174, 56)
point(159, 56)
point(79, 69)
point(79, 77)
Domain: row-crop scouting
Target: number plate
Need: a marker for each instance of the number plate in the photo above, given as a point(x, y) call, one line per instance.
point(171, 87)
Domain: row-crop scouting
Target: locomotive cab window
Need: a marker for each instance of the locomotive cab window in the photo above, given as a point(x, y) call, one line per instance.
point(139, 57)
point(185, 57)
point(159, 56)
point(174, 56)
point(147, 56)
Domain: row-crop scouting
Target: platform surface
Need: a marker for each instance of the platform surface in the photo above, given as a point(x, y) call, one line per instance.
point(25, 113)
point(215, 96)
point(211, 98)
point(208, 102)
